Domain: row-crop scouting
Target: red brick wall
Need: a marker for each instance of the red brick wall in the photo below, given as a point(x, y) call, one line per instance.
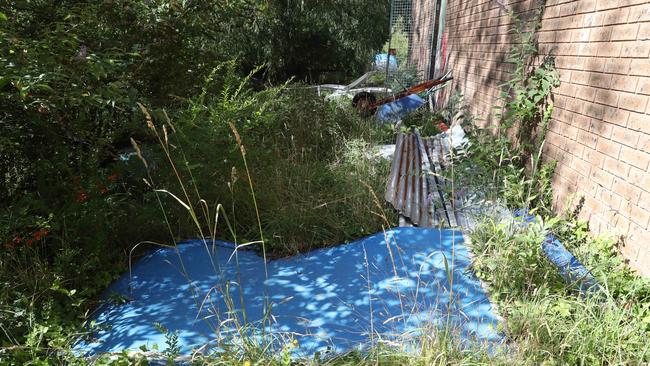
point(421, 39)
point(600, 131)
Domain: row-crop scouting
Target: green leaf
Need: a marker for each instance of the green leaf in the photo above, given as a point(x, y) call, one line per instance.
point(3, 17)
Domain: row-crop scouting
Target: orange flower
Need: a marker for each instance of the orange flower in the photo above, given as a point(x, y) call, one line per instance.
point(17, 240)
point(443, 127)
point(40, 234)
point(29, 242)
point(81, 196)
point(113, 177)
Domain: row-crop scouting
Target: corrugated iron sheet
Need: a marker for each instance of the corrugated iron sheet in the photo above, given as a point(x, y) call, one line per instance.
point(416, 187)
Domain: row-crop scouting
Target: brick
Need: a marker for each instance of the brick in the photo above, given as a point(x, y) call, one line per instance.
point(640, 67)
point(587, 49)
point(644, 145)
point(565, 89)
point(603, 101)
point(570, 132)
point(581, 166)
point(624, 32)
point(593, 19)
point(594, 110)
point(622, 223)
point(581, 35)
point(564, 23)
point(602, 177)
point(616, 167)
point(563, 36)
point(644, 199)
point(640, 13)
point(546, 37)
point(634, 250)
point(616, 116)
point(568, 9)
point(636, 177)
point(643, 86)
point(602, 34)
point(644, 32)
point(635, 49)
point(639, 122)
point(626, 190)
point(631, 2)
point(594, 64)
point(588, 139)
point(546, 49)
point(574, 63)
point(633, 102)
point(594, 157)
point(582, 122)
point(619, 187)
point(605, 196)
point(617, 66)
point(640, 216)
point(615, 16)
point(597, 223)
point(600, 80)
point(585, 6)
point(566, 49)
point(551, 12)
point(624, 83)
point(565, 75)
point(608, 147)
point(586, 93)
point(600, 128)
point(610, 49)
point(625, 136)
point(635, 157)
point(575, 105)
point(605, 96)
point(606, 4)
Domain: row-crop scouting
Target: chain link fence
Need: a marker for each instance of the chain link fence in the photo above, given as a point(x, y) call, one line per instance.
point(413, 30)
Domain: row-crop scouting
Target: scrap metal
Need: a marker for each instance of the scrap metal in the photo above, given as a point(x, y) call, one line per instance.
point(416, 186)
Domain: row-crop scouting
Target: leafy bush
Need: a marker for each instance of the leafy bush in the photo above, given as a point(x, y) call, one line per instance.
point(73, 205)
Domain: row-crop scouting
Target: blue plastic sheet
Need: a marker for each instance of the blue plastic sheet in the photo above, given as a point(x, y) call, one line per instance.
point(569, 267)
point(394, 285)
point(395, 111)
point(380, 62)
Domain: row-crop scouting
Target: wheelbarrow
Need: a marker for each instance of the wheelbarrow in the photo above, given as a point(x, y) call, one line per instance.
point(366, 102)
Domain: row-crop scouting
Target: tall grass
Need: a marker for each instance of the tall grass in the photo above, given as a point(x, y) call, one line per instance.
point(307, 163)
point(549, 321)
point(318, 176)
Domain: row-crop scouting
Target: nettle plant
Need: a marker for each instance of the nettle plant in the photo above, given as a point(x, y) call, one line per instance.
point(527, 105)
point(524, 113)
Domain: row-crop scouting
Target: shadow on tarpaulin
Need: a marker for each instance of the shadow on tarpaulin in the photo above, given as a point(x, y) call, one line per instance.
point(391, 285)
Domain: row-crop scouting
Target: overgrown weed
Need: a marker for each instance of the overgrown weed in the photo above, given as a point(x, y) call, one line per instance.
point(548, 319)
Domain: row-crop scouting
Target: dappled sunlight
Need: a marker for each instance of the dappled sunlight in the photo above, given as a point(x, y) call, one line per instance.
point(324, 298)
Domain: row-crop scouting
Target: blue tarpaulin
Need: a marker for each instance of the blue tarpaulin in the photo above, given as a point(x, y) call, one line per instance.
point(571, 269)
point(395, 111)
point(393, 285)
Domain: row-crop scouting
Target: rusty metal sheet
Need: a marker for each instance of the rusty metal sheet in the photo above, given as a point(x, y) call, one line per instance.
point(407, 187)
point(416, 187)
